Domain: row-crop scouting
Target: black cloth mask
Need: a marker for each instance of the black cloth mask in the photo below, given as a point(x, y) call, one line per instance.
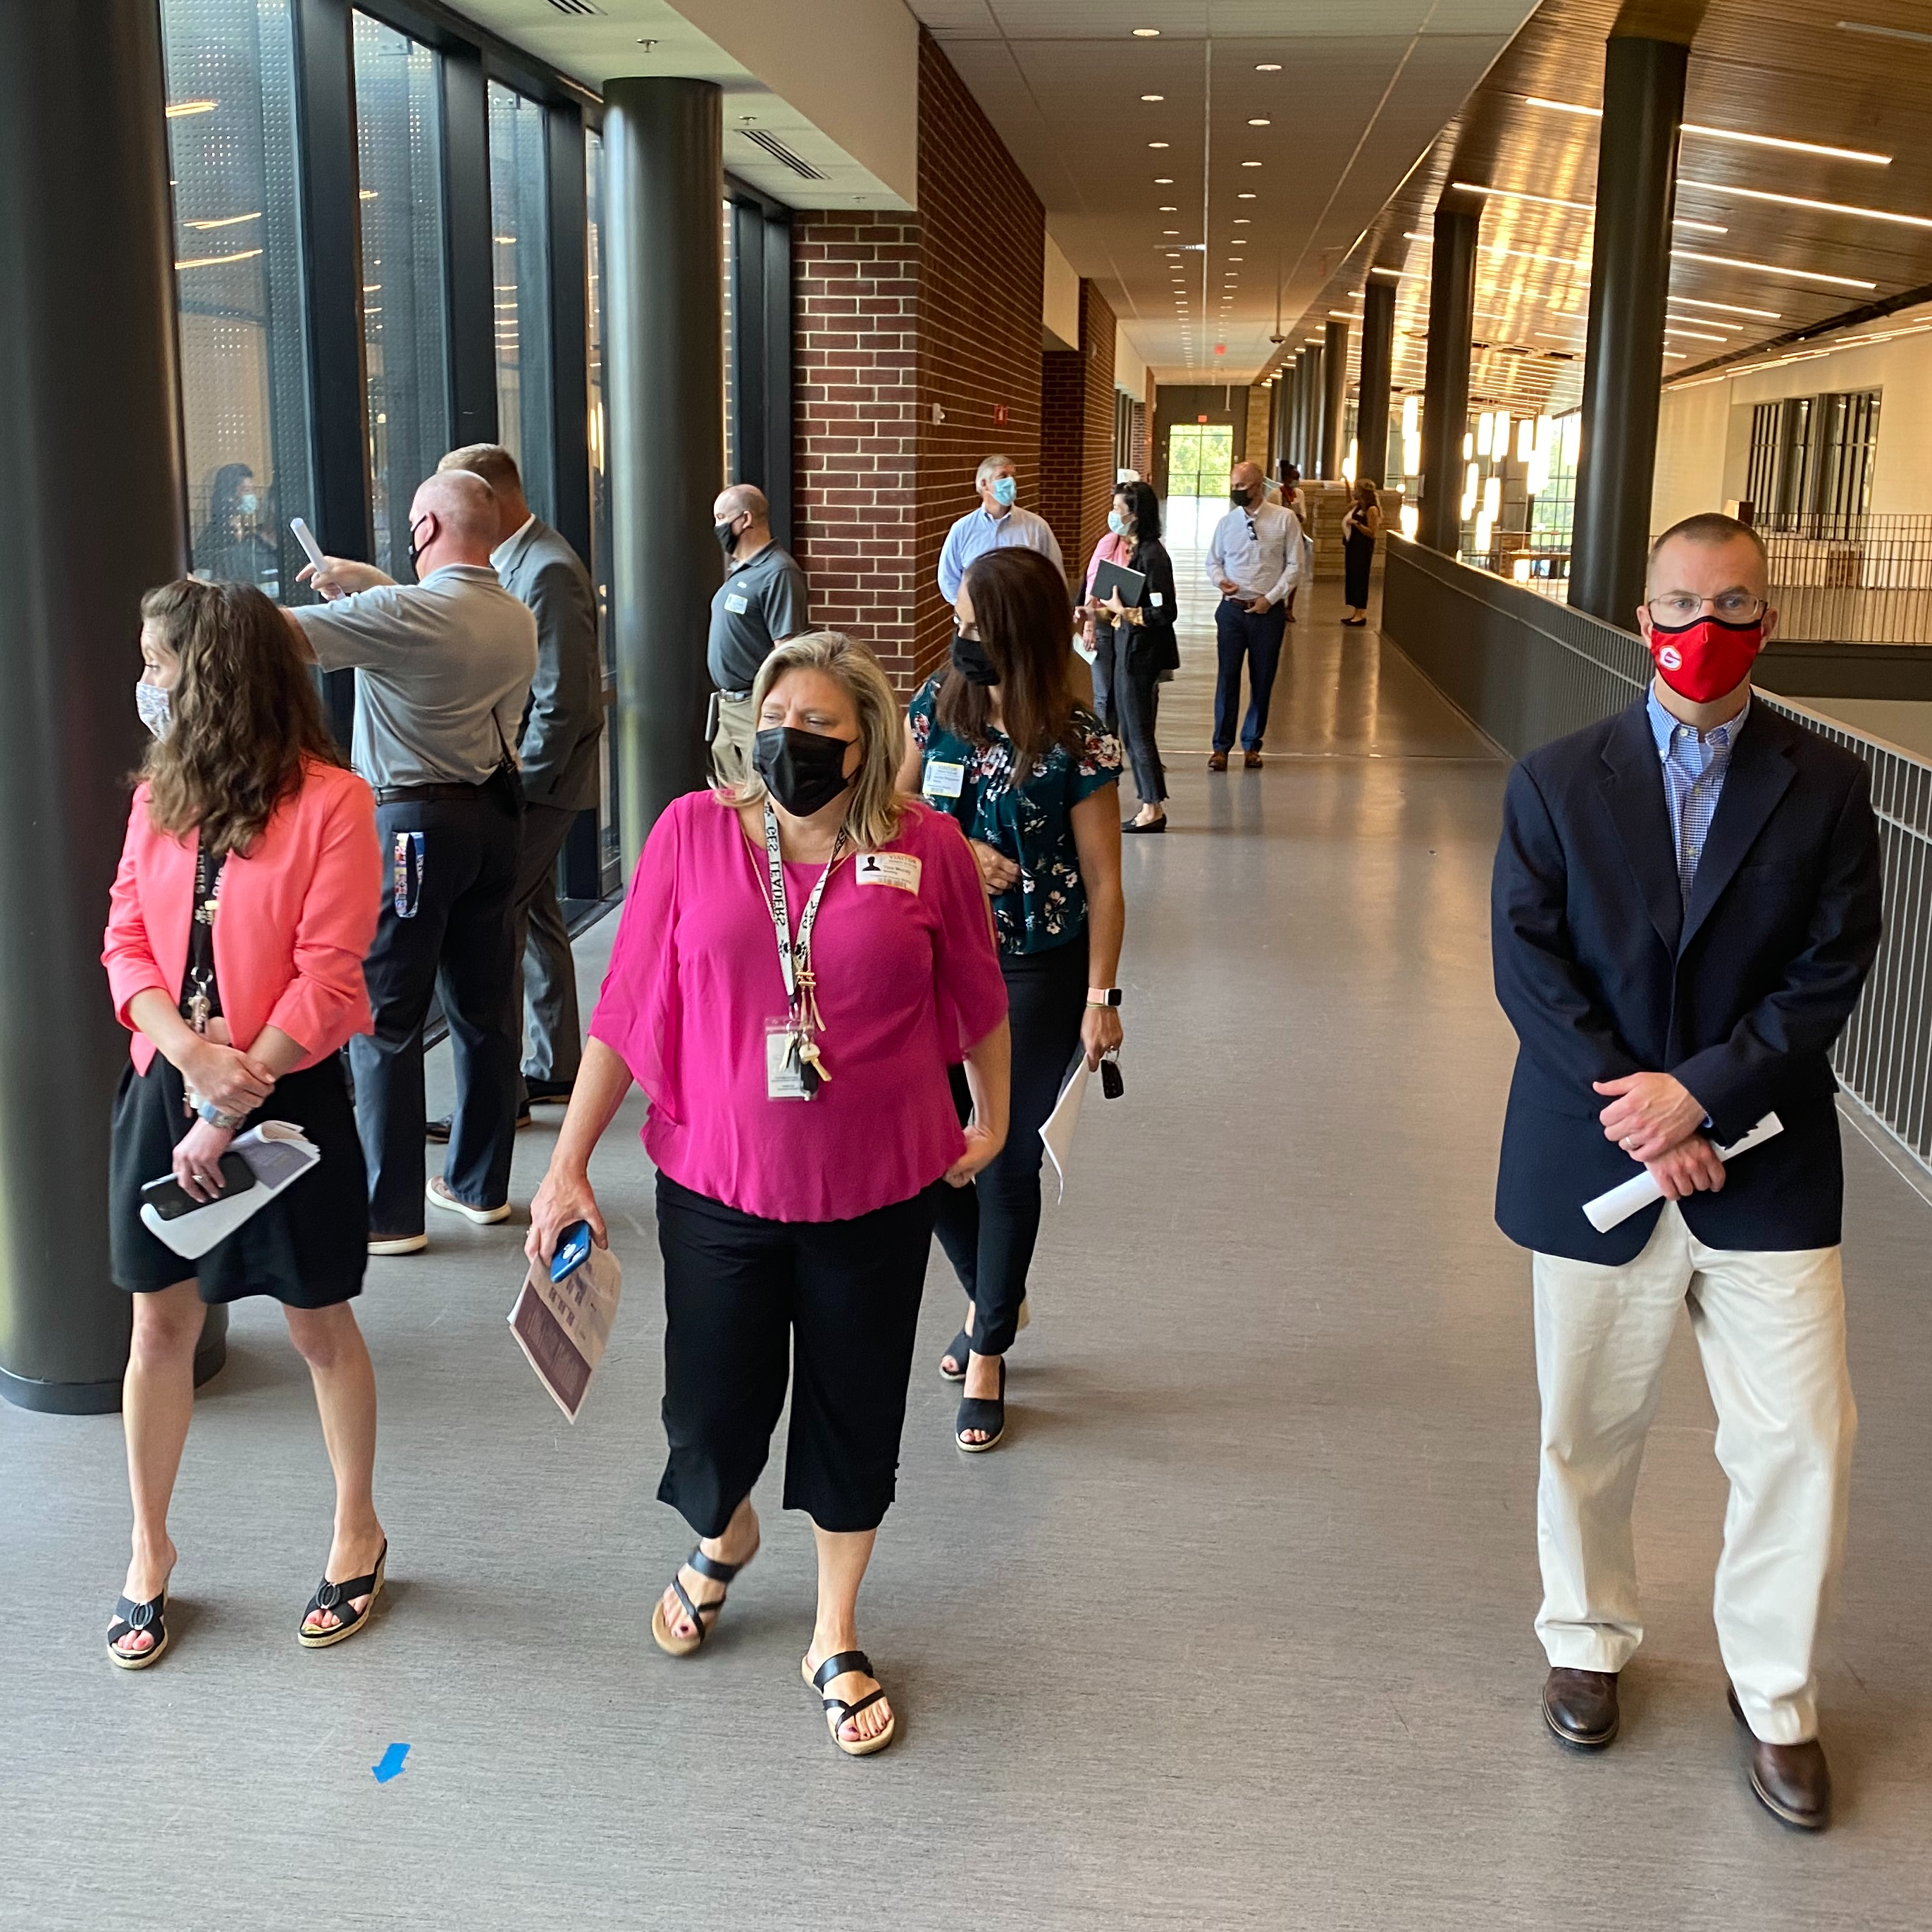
point(805, 771)
point(1240, 496)
point(971, 660)
point(727, 534)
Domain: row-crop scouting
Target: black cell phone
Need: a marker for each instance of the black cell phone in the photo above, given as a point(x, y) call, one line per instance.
point(171, 1200)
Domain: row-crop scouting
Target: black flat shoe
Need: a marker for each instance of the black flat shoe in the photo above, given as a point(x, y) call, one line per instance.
point(1154, 825)
point(130, 1616)
point(336, 1597)
point(986, 1412)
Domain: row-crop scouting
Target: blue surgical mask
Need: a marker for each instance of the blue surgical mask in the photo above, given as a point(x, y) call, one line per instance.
point(1005, 489)
point(156, 708)
point(245, 503)
point(1117, 523)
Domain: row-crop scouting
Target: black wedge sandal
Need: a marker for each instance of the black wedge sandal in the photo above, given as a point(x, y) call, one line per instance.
point(668, 1641)
point(981, 1411)
point(130, 1616)
point(336, 1598)
point(958, 1348)
point(838, 1712)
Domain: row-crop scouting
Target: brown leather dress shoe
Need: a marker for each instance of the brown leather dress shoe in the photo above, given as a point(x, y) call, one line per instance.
point(1251, 761)
point(1217, 761)
point(1580, 1706)
point(1792, 1782)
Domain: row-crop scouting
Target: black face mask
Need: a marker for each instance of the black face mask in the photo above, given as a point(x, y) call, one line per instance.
point(727, 534)
point(1240, 496)
point(415, 548)
point(971, 660)
point(803, 770)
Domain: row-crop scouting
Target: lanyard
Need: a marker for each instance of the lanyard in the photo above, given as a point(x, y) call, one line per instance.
point(795, 956)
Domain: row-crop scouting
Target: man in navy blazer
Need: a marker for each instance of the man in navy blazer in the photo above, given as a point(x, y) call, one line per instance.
point(1686, 903)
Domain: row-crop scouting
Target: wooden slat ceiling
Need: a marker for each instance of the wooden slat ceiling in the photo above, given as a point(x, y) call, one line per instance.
point(1795, 73)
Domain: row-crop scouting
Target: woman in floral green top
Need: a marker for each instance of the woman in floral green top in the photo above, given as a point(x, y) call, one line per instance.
point(999, 740)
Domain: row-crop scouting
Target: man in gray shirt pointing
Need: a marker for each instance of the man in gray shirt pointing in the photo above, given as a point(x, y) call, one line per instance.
point(443, 669)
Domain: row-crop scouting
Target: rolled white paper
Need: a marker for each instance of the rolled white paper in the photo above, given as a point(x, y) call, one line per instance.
point(1641, 1190)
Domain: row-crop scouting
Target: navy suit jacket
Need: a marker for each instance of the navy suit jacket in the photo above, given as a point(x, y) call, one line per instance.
point(1603, 971)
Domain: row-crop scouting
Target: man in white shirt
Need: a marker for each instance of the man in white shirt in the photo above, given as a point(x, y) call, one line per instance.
point(1254, 560)
point(998, 524)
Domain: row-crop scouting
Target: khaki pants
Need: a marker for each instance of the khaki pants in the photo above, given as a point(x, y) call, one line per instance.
point(731, 749)
point(1771, 1329)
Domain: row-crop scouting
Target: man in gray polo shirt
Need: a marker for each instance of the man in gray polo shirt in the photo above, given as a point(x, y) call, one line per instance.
point(761, 602)
point(443, 669)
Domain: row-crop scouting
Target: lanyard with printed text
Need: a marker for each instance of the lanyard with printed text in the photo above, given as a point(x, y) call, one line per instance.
point(795, 956)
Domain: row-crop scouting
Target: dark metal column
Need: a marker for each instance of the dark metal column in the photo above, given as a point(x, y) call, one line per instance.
point(1334, 395)
point(92, 500)
point(1629, 278)
point(1310, 458)
point(1445, 384)
point(663, 146)
point(472, 263)
point(1372, 412)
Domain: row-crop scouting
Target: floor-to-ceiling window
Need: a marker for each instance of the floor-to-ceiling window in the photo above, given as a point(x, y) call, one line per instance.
point(611, 850)
point(405, 319)
point(232, 149)
point(520, 255)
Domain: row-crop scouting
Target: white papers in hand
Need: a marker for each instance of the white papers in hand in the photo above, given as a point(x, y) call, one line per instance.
point(1056, 1131)
point(1640, 1190)
point(278, 1154)
point(563, 1326)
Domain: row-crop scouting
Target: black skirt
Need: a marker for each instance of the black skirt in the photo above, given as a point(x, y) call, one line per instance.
point(308, 1247)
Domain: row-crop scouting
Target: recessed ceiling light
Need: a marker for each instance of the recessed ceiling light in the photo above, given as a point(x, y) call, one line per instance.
point(1163, 181)
point(1245, 196)
point(1241, 221)
point(1154, 97)
point(1157, 144)
point(1710, 227)
point(1251, 164)
point(1268, 66)
point(1261, 121)
point(1170, 231)
point(1146, 33)
point(1695, 335)
point(1521, 194)
point(1772, 269)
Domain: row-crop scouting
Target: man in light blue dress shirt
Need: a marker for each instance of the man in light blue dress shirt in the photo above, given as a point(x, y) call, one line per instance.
point(998, 524)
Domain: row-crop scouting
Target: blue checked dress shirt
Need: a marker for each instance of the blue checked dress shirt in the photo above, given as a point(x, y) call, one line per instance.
point(1694, 780)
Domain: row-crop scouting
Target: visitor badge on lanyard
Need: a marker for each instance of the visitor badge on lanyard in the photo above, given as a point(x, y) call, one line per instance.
point(794, 1069)
point(944, 780)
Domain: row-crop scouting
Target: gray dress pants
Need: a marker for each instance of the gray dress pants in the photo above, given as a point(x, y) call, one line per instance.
point(546, 976)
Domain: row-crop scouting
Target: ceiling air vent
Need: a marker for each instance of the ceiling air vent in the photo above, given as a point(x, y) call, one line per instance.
point(579, 6)
point(776, 149)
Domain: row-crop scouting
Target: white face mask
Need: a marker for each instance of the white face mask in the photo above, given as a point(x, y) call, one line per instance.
point(153, 703)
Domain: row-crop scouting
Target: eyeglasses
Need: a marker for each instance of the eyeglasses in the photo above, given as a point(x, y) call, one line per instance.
point(1679, 607)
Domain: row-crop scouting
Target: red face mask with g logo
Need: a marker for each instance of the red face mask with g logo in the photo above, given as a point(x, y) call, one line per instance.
point(1704, 660)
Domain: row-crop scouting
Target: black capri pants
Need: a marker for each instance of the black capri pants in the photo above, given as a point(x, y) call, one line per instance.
point(746, 1301)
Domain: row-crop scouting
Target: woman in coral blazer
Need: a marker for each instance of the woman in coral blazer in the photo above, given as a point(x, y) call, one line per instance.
point(246, 895)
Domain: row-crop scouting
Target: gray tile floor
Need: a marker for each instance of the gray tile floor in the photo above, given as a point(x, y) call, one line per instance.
point(1236, 1631)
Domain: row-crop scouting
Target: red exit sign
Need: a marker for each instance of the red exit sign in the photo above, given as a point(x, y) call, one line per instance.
point(1200, 419)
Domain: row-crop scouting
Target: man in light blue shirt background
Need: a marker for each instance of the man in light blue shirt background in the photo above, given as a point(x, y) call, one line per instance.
point(998, 524)
point(1254, 560)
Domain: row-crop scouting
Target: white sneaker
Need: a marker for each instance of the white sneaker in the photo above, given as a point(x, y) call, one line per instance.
point(398, 1244)
point(438, 1196)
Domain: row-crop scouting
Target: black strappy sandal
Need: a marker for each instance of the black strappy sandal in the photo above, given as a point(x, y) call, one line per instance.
point(130, 1616)
point(959, 1347)
point(672, 1645)
point(980, 1412)
point(837, 1710)
point(336, 1597)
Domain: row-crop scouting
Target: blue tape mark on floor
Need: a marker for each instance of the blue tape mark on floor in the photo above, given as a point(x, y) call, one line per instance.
point(391, 1766)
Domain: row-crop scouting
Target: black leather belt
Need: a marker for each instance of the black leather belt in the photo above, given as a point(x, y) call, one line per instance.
point(427, 794)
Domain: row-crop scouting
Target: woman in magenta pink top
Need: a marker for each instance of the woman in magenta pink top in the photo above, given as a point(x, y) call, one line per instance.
point(802, 1126)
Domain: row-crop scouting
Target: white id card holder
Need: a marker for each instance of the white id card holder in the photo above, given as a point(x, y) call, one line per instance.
point(1154, 598)
point(737, 604)
point(943, 781)
point(784, 1071)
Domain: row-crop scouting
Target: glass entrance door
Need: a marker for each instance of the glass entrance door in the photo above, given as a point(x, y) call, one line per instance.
point(1199, 456)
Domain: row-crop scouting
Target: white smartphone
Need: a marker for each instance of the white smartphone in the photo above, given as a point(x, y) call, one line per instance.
point(306, 537)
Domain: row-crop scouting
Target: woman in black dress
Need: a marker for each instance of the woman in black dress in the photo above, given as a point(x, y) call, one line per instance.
point(1142, 649)
point(246, 895)
point(1360, 529)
